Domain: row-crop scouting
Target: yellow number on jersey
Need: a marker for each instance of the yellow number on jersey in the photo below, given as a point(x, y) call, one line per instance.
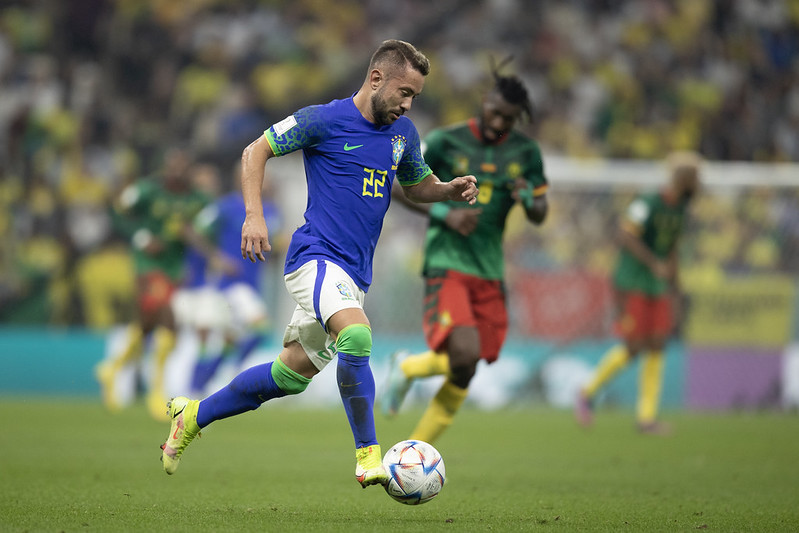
point(373, 183)
point(486, 189)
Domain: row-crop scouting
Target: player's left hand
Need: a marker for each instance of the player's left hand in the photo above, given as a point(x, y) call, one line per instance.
point(464, 189)
point(520, 187)
point(254, 238)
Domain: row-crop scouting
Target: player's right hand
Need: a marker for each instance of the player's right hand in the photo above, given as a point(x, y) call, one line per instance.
point(254, 238)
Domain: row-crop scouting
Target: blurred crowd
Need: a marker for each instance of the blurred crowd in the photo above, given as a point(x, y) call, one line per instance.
point(93, 91)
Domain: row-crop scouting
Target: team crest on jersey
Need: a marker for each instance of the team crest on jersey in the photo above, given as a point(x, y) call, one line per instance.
point(514, 170)
point(398, 144)
point(461, 165)
point(344, 290)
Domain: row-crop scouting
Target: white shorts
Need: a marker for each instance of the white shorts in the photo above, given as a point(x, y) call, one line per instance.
point(321, 289)
point(201, 307)
point(245, 306)
point(233, 309)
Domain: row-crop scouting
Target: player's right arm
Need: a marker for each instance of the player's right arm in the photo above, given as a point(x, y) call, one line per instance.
point(254, 233)
point(305, 127)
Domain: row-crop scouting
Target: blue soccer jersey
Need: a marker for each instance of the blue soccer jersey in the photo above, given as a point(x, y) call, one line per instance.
point(222, 221)
point(350, 165)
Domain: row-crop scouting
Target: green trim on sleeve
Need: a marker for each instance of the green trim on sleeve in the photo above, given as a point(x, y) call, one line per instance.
point(271, 142)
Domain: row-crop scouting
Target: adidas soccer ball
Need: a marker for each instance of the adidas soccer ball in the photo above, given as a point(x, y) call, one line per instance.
point(415, 472)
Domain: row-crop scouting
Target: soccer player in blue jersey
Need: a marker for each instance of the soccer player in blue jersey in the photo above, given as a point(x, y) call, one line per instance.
point(232, 301)
point(353, 150)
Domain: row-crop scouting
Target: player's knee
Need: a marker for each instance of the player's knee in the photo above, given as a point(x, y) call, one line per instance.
point(355, 339)
point(461, 374)
point(288, 380)
point(657, 344)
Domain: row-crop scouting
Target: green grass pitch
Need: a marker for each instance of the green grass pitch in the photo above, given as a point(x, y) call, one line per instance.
point(70, 466)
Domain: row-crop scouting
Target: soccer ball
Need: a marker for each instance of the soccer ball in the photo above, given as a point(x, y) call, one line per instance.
point(415, 472)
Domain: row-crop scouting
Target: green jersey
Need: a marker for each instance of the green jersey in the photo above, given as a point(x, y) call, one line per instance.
point(147, 208)
point(457, 151)
point(658, 224)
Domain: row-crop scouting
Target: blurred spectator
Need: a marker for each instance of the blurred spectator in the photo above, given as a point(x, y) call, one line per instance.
point(92, 90)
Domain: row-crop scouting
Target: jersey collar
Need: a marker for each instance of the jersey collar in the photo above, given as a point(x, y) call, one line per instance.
point(474, 127)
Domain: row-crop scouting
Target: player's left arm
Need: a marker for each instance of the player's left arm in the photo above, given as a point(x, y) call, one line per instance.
point(420, 185)
point(432, 189)
point(531, 190)
point(534, 200)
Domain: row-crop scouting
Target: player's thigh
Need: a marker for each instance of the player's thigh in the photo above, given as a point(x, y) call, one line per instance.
point(446, 306)
point(633, 324)
point(295, 357)
point(321, 290)
point(490, 309)
point(661, 321)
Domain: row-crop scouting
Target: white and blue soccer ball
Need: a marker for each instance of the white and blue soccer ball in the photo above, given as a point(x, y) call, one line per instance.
point(415, 472)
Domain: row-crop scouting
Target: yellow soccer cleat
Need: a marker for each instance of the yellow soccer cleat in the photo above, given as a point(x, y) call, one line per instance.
point(369, 466)
point(183, 413)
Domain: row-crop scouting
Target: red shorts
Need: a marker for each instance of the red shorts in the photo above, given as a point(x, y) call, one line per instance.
point(155, 291)
point(457, 299)
point(644, 316)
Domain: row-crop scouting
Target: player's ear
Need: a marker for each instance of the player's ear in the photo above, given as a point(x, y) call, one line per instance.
point(376, 78)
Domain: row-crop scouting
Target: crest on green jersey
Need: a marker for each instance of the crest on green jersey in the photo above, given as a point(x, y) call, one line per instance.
point(461, 165)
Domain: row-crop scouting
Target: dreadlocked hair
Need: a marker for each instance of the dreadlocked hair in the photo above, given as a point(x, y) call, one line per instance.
point(511, 87)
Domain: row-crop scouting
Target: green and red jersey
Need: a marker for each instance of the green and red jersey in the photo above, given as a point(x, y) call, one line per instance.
point(148, 206)
point(658, 223)
point(457, 151)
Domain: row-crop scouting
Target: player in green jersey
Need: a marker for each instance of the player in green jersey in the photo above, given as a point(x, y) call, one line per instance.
point(154, 214)
point(465, 315)
point(646, 281)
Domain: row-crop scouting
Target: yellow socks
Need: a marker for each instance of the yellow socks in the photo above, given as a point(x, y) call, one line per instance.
point(132, 349)
point(425, 365)
point(614, 360)
point(649, 386)
point(163, 344)
point(440, 412)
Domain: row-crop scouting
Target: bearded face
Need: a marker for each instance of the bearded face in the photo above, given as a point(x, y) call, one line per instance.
point(395, 95)
point(381, 110)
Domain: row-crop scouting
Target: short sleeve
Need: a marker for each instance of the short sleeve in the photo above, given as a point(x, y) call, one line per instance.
point(636, 216)
point(412, 168)
point(536, 175)
point(207, 220)
point(302, 129)
point(433, 150)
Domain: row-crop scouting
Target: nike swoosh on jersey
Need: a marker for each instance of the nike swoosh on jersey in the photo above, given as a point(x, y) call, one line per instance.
point(347, 147)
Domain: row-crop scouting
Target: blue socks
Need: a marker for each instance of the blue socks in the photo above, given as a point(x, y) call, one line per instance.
point(246, 392)
point(356, 384)
point(247, 345)
point(206, 368)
